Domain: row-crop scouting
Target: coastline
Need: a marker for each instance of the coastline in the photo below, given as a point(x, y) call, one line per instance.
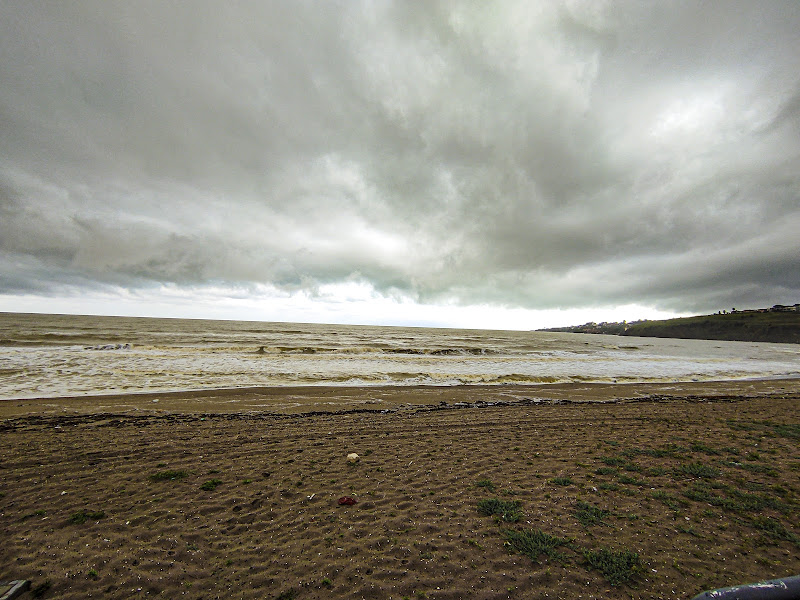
point(313, 399)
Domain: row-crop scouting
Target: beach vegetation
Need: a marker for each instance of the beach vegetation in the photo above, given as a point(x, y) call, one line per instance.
point(630, 480)
point(170, 475)
point(561, 481)
point(326, 582)
point(588, 514)
point(485, 483)
point(92, 574)
point(756, 468)
point(81, 516)
point(210, 485)
point(504, 510)
point(697, 469)
point(669, 500)
point(606, 471)
point(534, 543)
point(613, 461)
point(609, 487)
point(617, 566)
point(289, 594)
point(775, 529)
point(704, 448)
point(655, 471)
point(689, 530)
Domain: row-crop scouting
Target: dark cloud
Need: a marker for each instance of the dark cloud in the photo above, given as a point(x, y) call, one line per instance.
point(533, 155)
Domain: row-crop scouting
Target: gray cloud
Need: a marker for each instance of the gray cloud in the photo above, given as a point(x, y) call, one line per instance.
point(525, 154)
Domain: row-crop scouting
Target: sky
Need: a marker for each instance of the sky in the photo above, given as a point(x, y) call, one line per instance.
point(503, 164)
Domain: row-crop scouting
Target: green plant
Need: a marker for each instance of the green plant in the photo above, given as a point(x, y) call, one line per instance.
point(210, 485)
point(588, 514)
point(168, 475)
point(606, 471)
point(617, 566)
point(697, 469)
point(627, 479)
point(701, 447)
point(533, 543)
point(486, 483)
point(326, 582)
point(505, 510)
point(92, 574)
point(775, 529)
point(755, 468)
point(290, 594)
point(562, 481)
point(671, 501)
point(81, 516)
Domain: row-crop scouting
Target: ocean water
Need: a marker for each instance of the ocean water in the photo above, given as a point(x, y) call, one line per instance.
point(62, 355)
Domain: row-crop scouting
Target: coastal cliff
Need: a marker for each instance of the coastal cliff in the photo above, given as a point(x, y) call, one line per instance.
point(764, 325)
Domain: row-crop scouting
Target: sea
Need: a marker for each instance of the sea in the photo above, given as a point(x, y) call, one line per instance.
point(46, 356)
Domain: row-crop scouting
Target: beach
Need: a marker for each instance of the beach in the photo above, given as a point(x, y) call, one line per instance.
point(671, 488)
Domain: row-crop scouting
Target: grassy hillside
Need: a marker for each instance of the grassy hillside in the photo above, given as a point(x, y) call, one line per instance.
point(741, 326)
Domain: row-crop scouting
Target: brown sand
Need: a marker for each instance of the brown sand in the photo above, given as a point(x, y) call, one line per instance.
point(273, 525)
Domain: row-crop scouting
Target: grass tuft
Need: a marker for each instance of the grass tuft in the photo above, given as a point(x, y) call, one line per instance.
point(617, 566)
point(486, 483)
point(697, 469)
point(211, 485)
point(562, 481)
point(80, 517)
point(775, 529)
point(506, 510)
point(588, 514)
point(533, 543)
point(169, 475)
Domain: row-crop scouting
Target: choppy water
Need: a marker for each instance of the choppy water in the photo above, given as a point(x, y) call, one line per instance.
point(58, 355)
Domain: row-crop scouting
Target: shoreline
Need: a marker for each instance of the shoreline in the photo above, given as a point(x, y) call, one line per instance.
point(333, 399)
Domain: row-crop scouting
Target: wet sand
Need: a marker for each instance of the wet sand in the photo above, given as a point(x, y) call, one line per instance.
point(700, 481)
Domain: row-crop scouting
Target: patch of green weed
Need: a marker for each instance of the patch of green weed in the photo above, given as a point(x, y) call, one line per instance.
point(562, 481)
point(617, 566)
point(588, 514)
point(485, 483)
point(534, 543)
point(697, 469)
point(168, 475)
point(81, 516)
point(505, 510)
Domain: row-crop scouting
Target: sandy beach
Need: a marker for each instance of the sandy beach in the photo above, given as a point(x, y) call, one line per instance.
point(630, 491)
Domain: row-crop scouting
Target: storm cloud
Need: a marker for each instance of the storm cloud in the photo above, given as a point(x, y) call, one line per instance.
point(532, 155)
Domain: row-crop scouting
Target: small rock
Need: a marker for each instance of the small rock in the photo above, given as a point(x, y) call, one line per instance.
point(353, 457)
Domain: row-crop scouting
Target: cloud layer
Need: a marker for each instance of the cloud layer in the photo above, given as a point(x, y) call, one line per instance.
point(518, 154)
